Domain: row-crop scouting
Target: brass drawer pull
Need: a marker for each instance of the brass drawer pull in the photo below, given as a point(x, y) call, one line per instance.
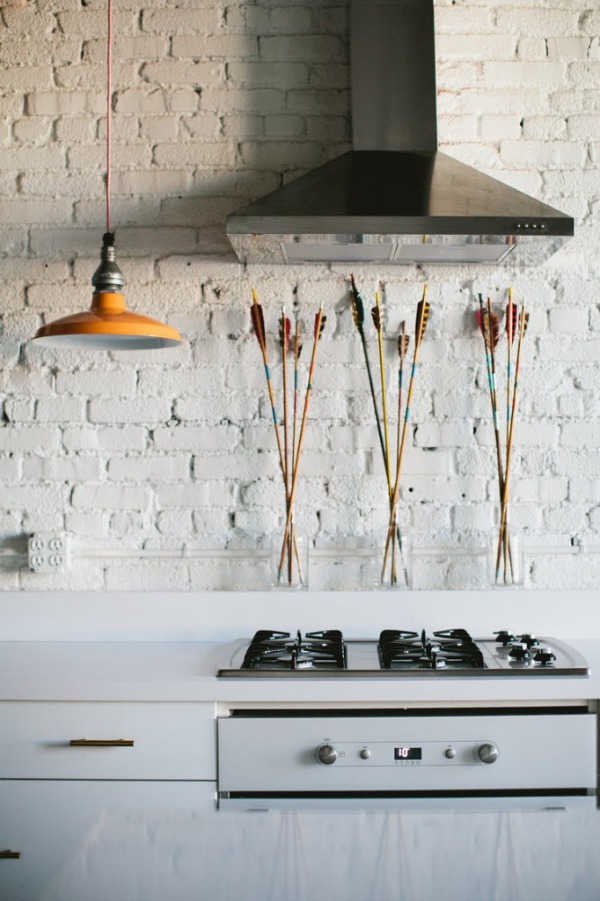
point(101, 743)
point(10, 855)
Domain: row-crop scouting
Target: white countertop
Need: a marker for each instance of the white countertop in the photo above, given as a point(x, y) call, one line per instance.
point(185, 671)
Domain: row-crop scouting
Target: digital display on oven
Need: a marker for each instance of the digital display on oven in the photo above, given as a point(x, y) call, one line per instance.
point(406, 753)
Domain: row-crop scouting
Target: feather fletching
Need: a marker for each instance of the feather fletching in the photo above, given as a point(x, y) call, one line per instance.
point(320, 321)
point(423, 308)
point(403, 342)
point(358, 308)
point(490, 329)
point(258, 322)
point(511, 320)
point(285, 328)
point(376, 314)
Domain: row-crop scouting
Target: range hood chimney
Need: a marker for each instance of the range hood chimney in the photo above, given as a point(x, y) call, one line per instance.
point(394, 198)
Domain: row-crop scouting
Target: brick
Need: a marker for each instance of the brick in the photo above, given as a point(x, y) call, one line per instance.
point(26, 78)
point(543, 153)
point(169, 72)
point(89, 23)
point(141, 100)
point(61, 469)
point(180, 21)
point(180, 438)
point(33, 131)
point(137, 47)
point(146, 469)
point(524, 74)
point(32, 158)
point(140, 410)
point(268, 74)
point(47, 212)
point(227, 47)
point(114, 383)
point(101, 496)
point(65, 103)
point(29, 439)
point(33, 24)
point(194, 154)
point(475, 46)
point(544, 22)
point(305, 48)
point(60, 409)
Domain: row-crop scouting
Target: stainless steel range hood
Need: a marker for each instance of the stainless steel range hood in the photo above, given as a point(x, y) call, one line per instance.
point(395, 198)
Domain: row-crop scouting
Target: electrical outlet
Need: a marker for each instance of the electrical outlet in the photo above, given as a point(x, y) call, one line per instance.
point(49, 552)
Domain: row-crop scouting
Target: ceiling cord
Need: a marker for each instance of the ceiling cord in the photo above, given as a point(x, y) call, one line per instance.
point(109, 113)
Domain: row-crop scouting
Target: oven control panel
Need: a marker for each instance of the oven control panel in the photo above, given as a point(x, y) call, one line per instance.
point(482, 750)
point(405, 753)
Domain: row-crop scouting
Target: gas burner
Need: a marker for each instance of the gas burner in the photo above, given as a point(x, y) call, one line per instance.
point(446, 649)
point(280, 651)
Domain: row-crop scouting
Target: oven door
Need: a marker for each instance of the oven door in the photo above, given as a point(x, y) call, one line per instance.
point(505, 758)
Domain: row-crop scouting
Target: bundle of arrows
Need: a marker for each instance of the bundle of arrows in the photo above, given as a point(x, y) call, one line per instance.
point(391, 455)
point(290, 450)
point(506, 566)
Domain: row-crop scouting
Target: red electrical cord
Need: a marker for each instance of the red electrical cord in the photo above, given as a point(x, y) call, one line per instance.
point(108, 112)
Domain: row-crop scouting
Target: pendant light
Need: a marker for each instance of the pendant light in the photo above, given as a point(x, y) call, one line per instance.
point(107, 325)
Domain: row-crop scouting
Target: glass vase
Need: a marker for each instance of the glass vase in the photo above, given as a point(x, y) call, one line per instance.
point(290, 559)
point(396, 565)
point(505, 552)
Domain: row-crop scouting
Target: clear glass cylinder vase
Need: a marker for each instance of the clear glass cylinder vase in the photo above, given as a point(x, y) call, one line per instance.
point(290, 559)
point(506, 567)
point(396, 559)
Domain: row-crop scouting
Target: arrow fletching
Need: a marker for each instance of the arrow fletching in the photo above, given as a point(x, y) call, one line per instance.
point(319, 328)
point(297, 346)
point(490, 328)
point(403, 342)
point(358, 307)
point(376, 314)
point(423, 308)
point(258, 322)
point(526, 322)
point(511, 318)
point(285, 330)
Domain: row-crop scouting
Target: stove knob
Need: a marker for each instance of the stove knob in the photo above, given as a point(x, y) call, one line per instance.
point(545, 656)
point(487, 753)
point(450, 753)
point(326, 754)
point(519, 651)
point(365, 753)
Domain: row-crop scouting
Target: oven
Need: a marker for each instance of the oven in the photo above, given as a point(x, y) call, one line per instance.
point(484, 755)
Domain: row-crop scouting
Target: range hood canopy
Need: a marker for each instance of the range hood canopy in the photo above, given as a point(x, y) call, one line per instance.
point(395, 198)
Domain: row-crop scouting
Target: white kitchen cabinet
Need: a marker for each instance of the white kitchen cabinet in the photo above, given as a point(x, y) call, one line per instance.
point(98, 798)
point(97, 839)
point(111, 740)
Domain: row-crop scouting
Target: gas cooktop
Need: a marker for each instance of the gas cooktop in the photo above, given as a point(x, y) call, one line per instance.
point(398, 653)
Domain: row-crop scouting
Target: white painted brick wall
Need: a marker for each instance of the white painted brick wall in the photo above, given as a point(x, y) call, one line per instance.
point(216, 105)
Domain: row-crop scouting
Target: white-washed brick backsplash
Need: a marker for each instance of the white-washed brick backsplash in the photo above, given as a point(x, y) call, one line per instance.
point(214, 106)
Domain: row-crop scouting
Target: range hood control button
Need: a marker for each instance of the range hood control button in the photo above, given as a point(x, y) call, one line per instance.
point(450, 753)
point(365, 753)
point(487, 753)
point(326, 754)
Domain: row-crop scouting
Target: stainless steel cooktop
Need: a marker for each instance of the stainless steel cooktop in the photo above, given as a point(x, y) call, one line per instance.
point(398, 653)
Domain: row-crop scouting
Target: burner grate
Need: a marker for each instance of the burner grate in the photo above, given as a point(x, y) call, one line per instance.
point(282, 651)
point(446, 649)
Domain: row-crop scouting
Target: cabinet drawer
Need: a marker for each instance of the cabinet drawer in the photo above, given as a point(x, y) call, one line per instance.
point(103, 841)
point(100, 740)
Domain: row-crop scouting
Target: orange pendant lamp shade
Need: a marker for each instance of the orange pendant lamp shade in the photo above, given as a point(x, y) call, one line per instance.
point(107, 325)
